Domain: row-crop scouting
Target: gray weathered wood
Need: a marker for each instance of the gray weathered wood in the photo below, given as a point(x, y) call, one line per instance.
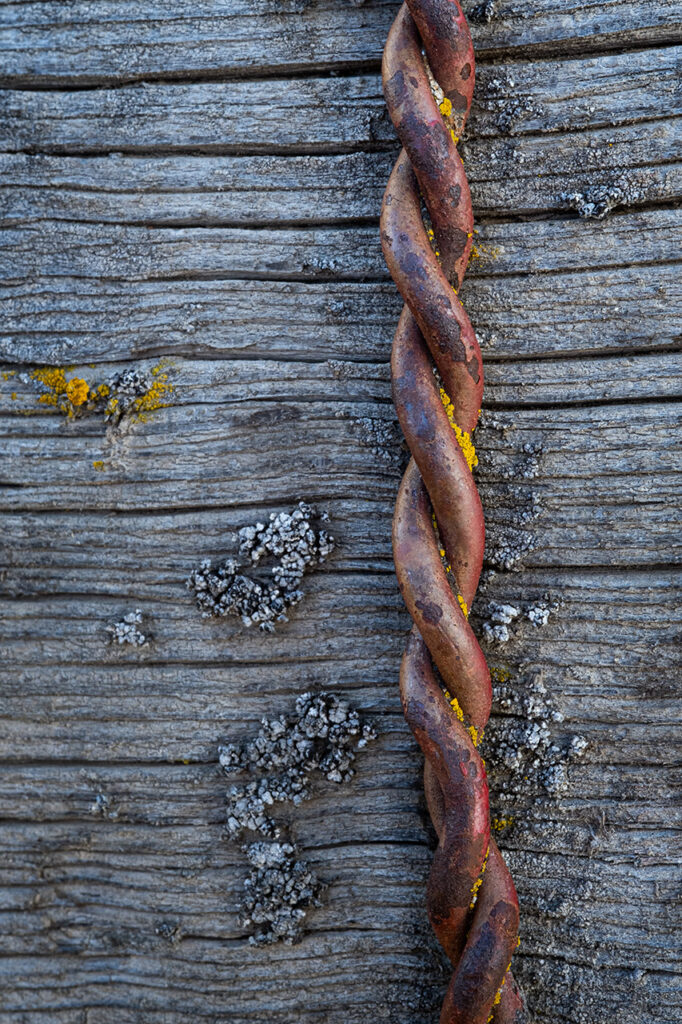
point(58, 319)
point(123, 41)
point(60, 248)
point(335, 114)
point(528, 174)
point(230, 226)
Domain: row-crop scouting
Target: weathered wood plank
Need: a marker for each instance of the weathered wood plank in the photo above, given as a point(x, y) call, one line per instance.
point(62, 248)
point(161, 704)
point(67, 319)
point(335, 622)
point(585, 452)
point(128, 915)
point(335, 114)
point(228, 382)
point(124, 41)
point(528, 175)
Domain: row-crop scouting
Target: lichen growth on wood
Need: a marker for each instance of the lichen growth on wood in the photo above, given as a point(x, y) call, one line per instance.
point(497, 618)
point(598, 200)
point(322, 736)
point(297, 544)
point(128, 631)
point(524, 757)
point(133, 393)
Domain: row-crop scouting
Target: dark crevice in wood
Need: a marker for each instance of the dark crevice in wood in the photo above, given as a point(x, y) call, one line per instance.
point(297, 359)
point(217, 149)
point(581, 403)
point(483, 216)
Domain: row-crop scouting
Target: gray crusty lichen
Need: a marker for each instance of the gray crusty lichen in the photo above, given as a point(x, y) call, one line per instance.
point(525, 758)
point(128, 630)
point(321, 736)
point(293, 540)
point(598, 200)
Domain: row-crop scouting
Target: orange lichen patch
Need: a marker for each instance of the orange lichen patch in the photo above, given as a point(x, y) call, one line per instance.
point(464, 439)
point(77, 391)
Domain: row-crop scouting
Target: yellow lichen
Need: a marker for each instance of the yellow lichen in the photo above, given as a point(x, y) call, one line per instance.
point(455, 138)
point(484, 252)
point(499, 674)
point(463, 606)
point(77, 391)
point(499, 824)
point(454, 704)
point(464, 439)
point(445, 107)
point(152, 399)
point(54, 379)
point(479, 881)
point(14, 396)
point(6, 374)
point(98, 465)
point(476, 736)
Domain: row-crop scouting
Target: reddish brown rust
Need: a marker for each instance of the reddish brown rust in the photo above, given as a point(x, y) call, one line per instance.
point(471, 898)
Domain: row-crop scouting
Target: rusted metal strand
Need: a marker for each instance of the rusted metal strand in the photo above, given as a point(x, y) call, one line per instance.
point(471, 899)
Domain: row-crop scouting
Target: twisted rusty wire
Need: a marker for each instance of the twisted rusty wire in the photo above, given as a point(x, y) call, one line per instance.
point(428, 72)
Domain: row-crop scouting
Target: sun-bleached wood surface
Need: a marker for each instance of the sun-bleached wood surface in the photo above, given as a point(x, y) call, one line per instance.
point(199, 184)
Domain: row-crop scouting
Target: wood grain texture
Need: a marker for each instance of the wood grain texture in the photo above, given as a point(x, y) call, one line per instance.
point(526, 175)
point(335, 114)
point(120, 41)
point(222, 216)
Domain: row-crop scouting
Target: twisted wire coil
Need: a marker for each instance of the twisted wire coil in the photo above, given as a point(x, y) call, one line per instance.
point(471, 900)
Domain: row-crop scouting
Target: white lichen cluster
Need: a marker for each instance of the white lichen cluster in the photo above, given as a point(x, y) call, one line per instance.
point(128, 631)
point(289, 537)
point(520, 749)
point(292, 539)
point(598, 200)
point(483, 13)
point(501, 97)
point(506, 546)
point(497, 618)
point(322, 735)
point(278, 892)
point(126, 388)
